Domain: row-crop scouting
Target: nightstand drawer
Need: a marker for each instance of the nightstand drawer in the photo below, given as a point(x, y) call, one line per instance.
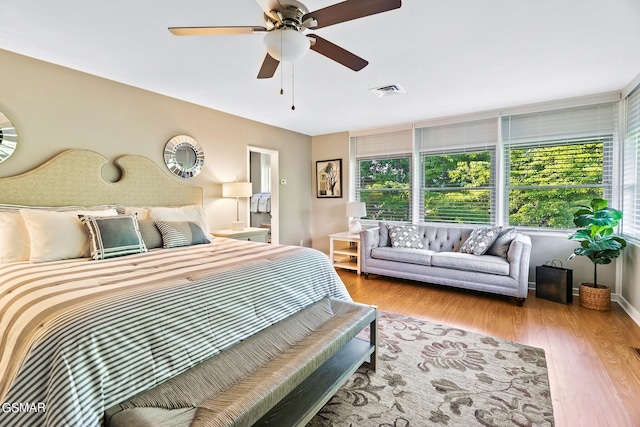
point(251, 234)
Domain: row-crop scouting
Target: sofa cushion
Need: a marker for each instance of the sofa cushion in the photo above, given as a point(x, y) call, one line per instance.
point(407, 255)
point(469, 262)
point(405, 236)
point(445, 239)
point(501, 246)
point(383, 231)
point(480, 240)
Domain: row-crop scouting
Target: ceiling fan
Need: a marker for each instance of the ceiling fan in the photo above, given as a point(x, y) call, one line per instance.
point(286, 22)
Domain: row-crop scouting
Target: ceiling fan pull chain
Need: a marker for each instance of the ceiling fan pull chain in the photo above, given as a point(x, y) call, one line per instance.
point(281, 70)
point(293, 85)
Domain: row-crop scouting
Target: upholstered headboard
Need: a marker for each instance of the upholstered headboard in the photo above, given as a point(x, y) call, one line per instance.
point(74, 178)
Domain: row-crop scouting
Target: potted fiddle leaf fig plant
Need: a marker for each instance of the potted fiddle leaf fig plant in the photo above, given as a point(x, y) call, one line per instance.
point(598, 242)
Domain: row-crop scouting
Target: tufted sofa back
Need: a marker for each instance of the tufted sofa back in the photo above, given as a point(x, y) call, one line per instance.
point(435, 238)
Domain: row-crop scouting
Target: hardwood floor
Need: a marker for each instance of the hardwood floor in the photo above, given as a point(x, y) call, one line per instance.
point(594, 369)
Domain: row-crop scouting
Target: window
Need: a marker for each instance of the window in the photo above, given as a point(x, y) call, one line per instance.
point(380, 167)
point(385, 188)
point(631, 185)
point(458, 172)
point(547, 182)
point(555, 160)
point(458, 187)
point(527, 169)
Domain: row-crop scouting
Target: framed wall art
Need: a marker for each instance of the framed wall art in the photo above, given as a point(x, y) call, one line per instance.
point(329, 178)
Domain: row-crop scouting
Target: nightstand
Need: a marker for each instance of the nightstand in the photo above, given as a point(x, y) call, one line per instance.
point(252, 234)
point(344, 250)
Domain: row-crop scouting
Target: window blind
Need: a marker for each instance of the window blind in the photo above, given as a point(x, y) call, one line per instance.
point(458, 136)
point(380, 171)
point(382, 144)
point(555, 160)
point(631, 187)
point(458, 169)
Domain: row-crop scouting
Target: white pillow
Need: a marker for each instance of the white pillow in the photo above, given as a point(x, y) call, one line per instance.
point(56, 236)
point(138, 211)
point(193, 213)
point(14, 238)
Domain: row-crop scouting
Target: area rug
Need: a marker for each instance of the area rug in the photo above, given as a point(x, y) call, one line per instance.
point(435, 375)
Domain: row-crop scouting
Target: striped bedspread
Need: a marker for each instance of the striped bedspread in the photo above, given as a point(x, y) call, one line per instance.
point(79, 336)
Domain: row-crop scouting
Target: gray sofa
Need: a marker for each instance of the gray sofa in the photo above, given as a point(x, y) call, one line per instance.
point(503, 269)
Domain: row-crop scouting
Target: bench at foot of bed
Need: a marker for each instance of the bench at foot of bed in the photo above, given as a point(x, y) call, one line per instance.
point(280, 376)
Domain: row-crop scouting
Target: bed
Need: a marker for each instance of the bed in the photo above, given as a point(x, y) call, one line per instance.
point(79, 335)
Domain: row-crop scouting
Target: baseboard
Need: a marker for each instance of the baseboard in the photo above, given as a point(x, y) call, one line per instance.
point(628, 308)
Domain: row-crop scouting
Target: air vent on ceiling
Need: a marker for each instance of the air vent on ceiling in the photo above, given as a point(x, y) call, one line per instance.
point(387, 90)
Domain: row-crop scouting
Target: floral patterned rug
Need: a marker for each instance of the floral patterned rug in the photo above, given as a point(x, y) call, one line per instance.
point(435, 375)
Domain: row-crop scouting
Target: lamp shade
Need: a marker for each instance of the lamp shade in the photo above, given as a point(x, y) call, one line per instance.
point(356, 210)
point(237, 189)
point(286, 44)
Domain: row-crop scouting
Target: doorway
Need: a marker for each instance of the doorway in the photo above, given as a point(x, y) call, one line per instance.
point(263, 172)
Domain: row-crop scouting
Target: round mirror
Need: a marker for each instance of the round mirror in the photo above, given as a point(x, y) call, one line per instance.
point(184, 156)
point(8, 138)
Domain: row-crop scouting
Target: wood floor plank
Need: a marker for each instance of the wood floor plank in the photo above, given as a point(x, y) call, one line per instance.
point(594, 371)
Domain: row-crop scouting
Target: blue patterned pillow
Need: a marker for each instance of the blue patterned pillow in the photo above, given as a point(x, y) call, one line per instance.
point(405, 236)
point(113, 236)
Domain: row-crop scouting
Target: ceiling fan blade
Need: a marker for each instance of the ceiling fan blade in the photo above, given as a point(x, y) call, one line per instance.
point(338, 54)
point(269, 67)
point(349, 10)
point(214, 31)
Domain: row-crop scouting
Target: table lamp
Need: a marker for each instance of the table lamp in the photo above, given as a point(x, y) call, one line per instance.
point(355, 211)
point(237, 190)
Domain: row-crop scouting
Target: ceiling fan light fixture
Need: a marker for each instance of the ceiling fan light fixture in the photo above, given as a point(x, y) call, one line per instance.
point(286, 44)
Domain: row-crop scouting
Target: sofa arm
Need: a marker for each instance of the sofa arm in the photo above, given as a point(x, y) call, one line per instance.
point(369, 239)
point(518, 256)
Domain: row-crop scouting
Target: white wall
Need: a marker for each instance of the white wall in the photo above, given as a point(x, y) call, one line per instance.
point(630, 280)
point(54, 108)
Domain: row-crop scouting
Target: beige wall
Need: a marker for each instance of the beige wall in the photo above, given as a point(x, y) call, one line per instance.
point(329, 214)
point(54, 108)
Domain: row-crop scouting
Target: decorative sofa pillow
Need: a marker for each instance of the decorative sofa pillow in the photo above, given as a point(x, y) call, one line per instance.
point(181, 233)
point(405, 236)
point(480, 240)
point(113, 236)
point(501, 246)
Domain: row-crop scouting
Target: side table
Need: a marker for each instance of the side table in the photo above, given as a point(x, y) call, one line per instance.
point(344, 250)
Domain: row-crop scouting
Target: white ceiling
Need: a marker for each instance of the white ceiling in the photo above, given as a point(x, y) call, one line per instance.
point(451, 56)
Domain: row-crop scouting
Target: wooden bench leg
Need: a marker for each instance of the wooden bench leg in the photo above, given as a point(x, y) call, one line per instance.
point(373, 340)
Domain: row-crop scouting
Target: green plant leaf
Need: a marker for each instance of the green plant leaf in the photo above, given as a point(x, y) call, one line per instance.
point(598, 204)
point(623, 243)
point(596, 233)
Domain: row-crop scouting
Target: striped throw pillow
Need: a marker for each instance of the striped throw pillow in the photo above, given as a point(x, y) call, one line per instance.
point(181, 233)
point(113, 236)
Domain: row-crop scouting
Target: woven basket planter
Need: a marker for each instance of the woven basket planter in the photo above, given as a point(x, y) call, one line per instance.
point(598, 298)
